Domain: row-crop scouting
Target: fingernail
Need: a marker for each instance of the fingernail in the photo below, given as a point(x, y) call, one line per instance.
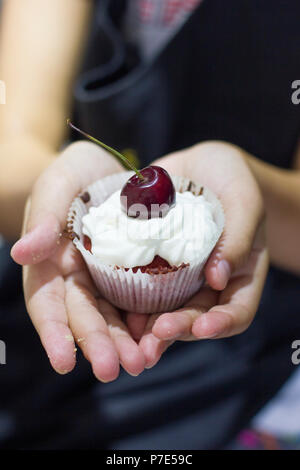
point(28, 234)
point(18, 242)
point(224, 272)
point(213, 335)
point(18, 247)
point(62, 371)
point(150, 366)
point(172, 338)
point(102, 380)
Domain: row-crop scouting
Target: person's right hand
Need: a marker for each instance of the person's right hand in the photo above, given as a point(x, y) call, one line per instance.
point(60, 296)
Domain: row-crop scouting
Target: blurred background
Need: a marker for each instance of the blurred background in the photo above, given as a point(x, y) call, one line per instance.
point(118, 65)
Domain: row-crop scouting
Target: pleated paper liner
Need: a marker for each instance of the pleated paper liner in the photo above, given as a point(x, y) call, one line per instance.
point(155, 292)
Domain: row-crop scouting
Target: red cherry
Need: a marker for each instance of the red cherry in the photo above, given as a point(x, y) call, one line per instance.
point(155, 187)
point(149, 187)
point(87, 243)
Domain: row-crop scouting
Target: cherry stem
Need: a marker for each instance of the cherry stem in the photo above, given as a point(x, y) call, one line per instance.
point(106, 147)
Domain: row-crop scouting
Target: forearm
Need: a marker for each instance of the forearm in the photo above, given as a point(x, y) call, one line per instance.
point(281, 192)
point(40, 49)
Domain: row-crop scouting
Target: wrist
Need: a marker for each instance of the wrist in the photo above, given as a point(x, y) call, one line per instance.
point(21, 162)
point(28, 143)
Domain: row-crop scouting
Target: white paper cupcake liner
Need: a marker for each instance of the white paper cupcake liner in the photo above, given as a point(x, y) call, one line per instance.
point(136, 291)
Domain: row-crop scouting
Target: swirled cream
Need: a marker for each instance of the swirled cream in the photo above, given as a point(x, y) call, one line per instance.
point(186, 234)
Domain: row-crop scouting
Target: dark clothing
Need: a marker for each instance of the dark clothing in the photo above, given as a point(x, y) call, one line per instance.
point(226, 75)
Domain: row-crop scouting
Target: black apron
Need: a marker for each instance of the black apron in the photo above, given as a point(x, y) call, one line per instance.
point(226, 75)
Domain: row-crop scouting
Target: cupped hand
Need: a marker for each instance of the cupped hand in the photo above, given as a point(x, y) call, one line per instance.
point(60, 296)
point(236, 270)
point(63, 302)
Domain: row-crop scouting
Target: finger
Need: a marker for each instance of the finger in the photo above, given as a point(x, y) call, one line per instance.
point(89, 328)
point(44, 297)
point(178, 324)
point(131, 356)
point(136, 323)
point(174, 163)
point(244, 213)
point(52, 195)
point(152, 346)
point(39, 244)
point(238, 303)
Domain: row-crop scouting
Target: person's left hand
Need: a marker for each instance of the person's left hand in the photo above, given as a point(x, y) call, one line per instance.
point(236, 270)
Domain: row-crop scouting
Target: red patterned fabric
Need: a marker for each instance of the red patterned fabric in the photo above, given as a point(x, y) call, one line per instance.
point(146, 10)
point(171, 11)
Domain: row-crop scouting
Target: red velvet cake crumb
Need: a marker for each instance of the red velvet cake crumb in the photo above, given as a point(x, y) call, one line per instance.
point(157, 263)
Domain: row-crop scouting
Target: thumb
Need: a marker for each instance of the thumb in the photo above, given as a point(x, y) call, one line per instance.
point(40, 242)
point(244, 215)
point(46, 211)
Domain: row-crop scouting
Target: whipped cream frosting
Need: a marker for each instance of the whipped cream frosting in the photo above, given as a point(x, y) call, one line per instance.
point(186, 234)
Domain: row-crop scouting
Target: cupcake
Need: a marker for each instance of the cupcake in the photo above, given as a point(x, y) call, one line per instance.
point(145, 237)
